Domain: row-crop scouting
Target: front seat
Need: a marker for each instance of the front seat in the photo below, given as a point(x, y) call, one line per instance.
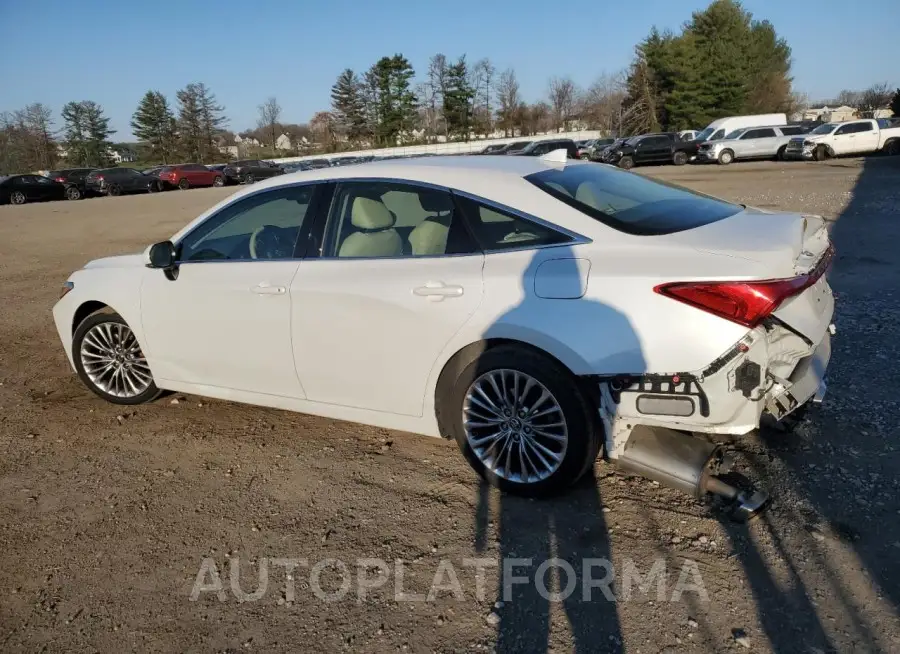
point(376, 236)
point(430, 236)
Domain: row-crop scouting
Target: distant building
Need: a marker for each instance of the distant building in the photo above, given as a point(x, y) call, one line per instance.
point(827, 114)
point(121, 156)
point(283, 142)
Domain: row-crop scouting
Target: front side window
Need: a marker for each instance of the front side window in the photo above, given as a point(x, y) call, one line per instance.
point(389, 219)
point(496, 229)
point(264, 226)
point(791, 131)
point(827, 128)
point(631, 203)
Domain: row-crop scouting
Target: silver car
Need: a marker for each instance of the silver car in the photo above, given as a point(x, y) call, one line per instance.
point(749, 143)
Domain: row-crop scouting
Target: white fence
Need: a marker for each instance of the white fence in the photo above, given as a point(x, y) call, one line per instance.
point(447, 148)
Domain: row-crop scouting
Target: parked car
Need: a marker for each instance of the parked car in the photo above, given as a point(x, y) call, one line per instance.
point(540, 148)
point(19, 189)
point(493, 148)
point(852, 137)
point(749, 143)
point(528, 310)
point(688, 134)
point(511, 148)
point(248, 171)
point(294, 166)
point(217, 167)
point(72, 179)
point(598, 153)
point(185, 176)
point(595, 145)
point(717, 129)
point(315, 164)
point(116, 181)
point(652, 148)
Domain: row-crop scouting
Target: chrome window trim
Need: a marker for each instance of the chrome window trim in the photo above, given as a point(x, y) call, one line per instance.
point(574, 237)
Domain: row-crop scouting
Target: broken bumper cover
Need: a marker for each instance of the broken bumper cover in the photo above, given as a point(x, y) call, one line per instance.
point(807, 382)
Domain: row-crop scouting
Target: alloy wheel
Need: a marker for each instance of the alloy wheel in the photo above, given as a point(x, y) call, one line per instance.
point(515, 426)
point(113, 361)
point(17, 197)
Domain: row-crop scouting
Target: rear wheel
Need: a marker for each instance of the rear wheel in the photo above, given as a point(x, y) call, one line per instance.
point(114, 190)
point(521, 421)
point(626, 162)
point(109, 360)
point(219, 181)
point(780, 154)
point(680, 158)
point(248, 178)
point(73, 193)
point(726, 157)
point(892, 148)
point(183, 184)
point(17, 197)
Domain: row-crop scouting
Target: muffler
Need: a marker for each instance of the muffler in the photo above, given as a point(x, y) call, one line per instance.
point(687, 463)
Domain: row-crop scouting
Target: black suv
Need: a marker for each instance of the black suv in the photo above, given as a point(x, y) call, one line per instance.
point(116, 181)
point(248, 171)
point(539, 148)
point(652, 148)
point(73, 178)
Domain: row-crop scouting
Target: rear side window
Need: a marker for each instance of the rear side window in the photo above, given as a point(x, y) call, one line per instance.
point(631, 203)
point(496, 229)
point(791, 131)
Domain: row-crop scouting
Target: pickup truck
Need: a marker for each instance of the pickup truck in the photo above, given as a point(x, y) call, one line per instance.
point(651, 148)
point(851, 137)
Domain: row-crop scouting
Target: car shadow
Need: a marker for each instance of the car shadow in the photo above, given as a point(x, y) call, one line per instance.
point(571, 529)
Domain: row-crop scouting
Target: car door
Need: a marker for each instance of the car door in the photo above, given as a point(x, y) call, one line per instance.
point(844, 140)
point(47, 189)
point(397, 278)
point(224, 320)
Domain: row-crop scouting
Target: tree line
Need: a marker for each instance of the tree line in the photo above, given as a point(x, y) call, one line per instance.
point(721, 62)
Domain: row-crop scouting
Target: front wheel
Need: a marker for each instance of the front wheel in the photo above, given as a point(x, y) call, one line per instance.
point(626, 162)
point(521, 421)
point(73, 193)
point(109, 360)
point(726, 157)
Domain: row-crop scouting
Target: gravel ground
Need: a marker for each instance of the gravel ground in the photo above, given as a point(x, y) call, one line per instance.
point(107, 515)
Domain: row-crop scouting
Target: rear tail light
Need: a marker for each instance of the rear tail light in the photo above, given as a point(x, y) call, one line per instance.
point(59, 179)
point(746, 303)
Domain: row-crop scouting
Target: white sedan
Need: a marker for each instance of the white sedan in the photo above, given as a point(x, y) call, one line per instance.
point(539, 311)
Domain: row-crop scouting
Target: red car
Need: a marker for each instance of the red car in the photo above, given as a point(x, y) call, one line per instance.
point(184, 176)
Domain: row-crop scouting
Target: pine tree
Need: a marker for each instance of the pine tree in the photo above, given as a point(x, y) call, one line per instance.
point(212, 122)
point(458, 97)
point(348, 106)
point(391, 100)
point(154, 122)
point(190, 122)
point(87, 133)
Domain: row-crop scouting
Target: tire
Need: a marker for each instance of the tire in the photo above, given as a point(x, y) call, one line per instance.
point(821, 153)
point(184, 184)
point(726, 157)
point(564, 405)
point(73, 193)
point(219, 181)
point(114, 190)
point(94, 339)
point(892, 148)
point(17, 197)
point(626, 163)
point(680, 158)
point(152, 187)
point(779, 156)
point(248, 178)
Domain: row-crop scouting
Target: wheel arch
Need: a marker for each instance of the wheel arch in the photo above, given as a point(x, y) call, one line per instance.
point(85, 310)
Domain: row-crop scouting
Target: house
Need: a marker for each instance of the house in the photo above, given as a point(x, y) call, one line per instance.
point(246, 141)
point(121, 156)
point(283, 142)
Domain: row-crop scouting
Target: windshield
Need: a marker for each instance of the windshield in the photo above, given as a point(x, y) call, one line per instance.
point(705, 134)
point(827, 128)
point(631, 203)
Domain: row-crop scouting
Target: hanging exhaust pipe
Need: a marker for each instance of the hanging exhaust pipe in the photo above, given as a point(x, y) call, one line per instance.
point(686, 463)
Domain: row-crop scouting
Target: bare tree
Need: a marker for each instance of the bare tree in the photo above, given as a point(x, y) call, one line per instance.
point(485, 74)
point(601, 105)
point(323, 128)
point(562, 93)
point(269, 114)
point(849, 98)
point(508, 102)
point(877, 96)
point(436, 86)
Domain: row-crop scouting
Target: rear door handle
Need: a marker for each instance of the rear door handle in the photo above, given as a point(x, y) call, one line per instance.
point(265, 288)
point(437, 291)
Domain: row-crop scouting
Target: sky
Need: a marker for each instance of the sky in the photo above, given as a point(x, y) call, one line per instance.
point(113, 51)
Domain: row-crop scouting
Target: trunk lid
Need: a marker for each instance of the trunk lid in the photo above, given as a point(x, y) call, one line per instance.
point(785, 246)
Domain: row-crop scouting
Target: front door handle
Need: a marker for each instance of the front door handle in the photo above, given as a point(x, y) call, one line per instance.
point(266, 289)
point(437, 291)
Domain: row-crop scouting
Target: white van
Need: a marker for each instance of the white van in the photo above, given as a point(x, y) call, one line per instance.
point(718, 129)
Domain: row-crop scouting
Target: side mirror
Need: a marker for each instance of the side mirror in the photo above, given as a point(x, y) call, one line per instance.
point(162, 255)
